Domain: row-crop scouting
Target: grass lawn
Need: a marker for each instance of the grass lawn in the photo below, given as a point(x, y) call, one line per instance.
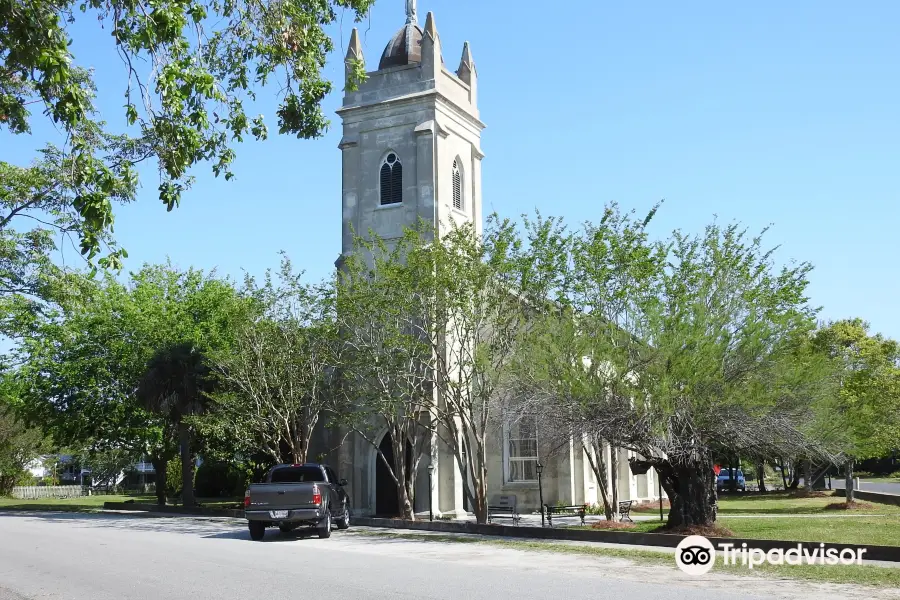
point(882, 529)
point(782, 503)
point(775, 503)
point(80, 504)
point(855, 574)
point(879, 530)
point(236, 503)
point(91, 503)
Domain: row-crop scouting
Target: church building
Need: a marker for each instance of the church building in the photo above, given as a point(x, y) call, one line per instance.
point(411, 149)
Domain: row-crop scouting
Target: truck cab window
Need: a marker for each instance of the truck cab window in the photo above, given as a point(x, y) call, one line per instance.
point(297, 475)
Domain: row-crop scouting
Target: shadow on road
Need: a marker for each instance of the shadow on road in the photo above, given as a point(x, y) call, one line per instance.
point(205, 527)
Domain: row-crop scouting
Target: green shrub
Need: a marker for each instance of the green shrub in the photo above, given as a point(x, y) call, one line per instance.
point(863, 474)
point(173, 478)
point(220, 480)
point(25, 478)
point(595, 509)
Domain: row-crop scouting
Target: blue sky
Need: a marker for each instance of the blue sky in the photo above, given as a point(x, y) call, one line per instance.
point(782, 113)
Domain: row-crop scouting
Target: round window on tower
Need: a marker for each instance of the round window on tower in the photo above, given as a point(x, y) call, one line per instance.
point(391, 158)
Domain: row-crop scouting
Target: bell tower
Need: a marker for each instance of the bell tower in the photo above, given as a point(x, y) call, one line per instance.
point(411, 143)
point(411, 150)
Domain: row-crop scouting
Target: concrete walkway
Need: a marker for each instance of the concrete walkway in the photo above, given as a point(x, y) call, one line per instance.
point(423, 534)
point(801, 516)
point(872, 486)
point(534, 520)
point(439, 535)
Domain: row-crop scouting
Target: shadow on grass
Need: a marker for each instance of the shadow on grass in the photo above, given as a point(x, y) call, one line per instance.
point(32, 506)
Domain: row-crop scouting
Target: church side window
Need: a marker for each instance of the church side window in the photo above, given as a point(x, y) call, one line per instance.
point(457, 186)
point(521, 450)
point(391, 180)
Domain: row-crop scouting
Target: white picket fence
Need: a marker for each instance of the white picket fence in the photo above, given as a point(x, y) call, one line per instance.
point(36, 492)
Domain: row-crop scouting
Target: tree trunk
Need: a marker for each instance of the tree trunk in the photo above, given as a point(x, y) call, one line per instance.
point(848, 482)
point(598, 466)
point(614, 481)
point(761, 476)
point(159, 468)
point(187, 465)
point(404, 501)
point(478, 468)
point(7, 483)
point(691, 488)
point(411, 491)
point(400, 470)
point(480, 505)
point(795, 477)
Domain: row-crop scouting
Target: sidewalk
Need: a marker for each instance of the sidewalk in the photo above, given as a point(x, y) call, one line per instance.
point(445, 536)
point(534, 519)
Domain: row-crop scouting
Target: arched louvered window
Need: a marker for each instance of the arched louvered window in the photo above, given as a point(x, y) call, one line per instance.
point(391, 180)
point(457, 186)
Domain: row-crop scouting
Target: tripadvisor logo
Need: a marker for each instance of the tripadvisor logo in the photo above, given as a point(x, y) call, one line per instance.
point(696, 555)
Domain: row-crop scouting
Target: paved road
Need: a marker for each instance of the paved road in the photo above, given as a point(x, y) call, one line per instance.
point(119, 557)
point(870, 486)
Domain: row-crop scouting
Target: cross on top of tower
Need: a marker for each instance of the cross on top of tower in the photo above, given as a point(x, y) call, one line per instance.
point(411, 12)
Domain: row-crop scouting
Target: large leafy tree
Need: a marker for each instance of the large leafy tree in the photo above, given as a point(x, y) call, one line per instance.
point(176, 386)
point(385, 366)
point(188, 68)
point(19, 442)
point(723, 338)
point(463, 304)
point(862, 416)
point(680, 351)
point(276, 376)
point(83, 366)
point(585, 347)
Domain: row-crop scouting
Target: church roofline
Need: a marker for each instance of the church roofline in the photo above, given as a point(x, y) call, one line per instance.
point(409, 98)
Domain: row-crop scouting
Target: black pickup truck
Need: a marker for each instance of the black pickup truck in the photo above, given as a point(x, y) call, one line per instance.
point(297, 495)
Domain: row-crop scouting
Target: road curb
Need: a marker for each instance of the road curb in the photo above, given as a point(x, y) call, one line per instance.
point(884, 553)
point(880, 497)
point(175, 510)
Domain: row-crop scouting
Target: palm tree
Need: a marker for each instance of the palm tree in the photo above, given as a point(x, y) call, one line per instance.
point(175, 385)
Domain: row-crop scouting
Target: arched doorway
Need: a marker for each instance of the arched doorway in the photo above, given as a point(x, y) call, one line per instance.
point(386, 499)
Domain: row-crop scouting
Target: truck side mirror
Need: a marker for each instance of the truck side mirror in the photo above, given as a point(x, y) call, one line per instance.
point(342, 482)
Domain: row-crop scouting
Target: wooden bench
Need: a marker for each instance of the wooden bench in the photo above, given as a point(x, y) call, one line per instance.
point(504, 508)
point(565, 511)
point(625, 510)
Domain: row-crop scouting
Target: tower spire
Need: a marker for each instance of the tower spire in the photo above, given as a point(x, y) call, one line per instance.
point(411, 16)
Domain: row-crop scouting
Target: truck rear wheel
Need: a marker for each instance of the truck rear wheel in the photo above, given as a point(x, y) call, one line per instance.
point(343, 522)
point(257, 530)
point(325, 525)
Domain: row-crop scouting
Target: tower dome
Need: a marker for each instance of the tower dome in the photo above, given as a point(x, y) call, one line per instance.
point(405, 48)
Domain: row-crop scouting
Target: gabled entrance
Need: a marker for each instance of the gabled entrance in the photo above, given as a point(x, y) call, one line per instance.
point(386, 498)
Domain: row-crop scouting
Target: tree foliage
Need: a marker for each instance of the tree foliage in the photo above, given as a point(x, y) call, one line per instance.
point(20, 443)
point(385, 366)
point(863, 415)
point(276, 376)
point(176, 385)
point(82, 366)
point(438, 319)
point(188, 68)
point(677, 351)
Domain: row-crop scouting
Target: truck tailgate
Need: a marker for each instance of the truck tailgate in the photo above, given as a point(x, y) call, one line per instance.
point(281, 496)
